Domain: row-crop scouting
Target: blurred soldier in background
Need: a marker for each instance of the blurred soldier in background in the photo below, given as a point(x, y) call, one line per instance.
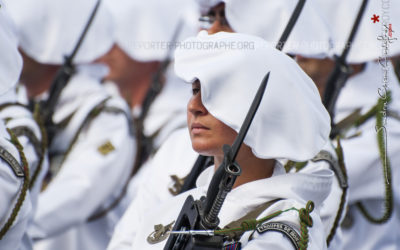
point(15, 204)
point(365, 117)
point(91, 144)
point(147, 33)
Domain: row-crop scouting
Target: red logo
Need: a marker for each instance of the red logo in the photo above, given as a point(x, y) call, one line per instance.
point(375, 18)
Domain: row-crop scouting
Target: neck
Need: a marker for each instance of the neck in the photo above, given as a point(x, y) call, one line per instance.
point(135, 91)
point(253, 168)
point(37, 77)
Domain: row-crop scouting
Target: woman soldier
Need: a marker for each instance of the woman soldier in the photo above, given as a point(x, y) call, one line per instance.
point(290, 123)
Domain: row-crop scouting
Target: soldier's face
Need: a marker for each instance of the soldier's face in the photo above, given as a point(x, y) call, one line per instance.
point(207, 133)
point(118, 62)
point(216, 20)
point(317, 69)
point(124, 70)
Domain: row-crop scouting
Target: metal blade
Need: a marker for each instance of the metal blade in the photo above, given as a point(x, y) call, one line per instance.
point(249, 117)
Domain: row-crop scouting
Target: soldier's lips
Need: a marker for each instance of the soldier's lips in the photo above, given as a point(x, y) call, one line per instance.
point(198, 128)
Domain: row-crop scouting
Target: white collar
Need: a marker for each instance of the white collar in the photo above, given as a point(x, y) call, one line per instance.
point(299, 186)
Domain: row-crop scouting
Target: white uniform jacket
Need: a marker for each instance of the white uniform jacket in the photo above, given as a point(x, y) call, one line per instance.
point(94, 169)
point(20, 120)
point(176, 158)
point(362, 159)
point(295, 189)
point(10, 188)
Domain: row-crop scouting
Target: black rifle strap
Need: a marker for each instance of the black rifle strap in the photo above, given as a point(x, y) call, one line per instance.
point(201, 163)
point(290, 25)
point(339, 75)
point(144, 144)
point(62, 78)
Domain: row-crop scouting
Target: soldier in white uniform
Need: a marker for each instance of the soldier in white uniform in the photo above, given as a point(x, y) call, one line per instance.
point(370, 80)
point(146, 33)
point(15, 205)
point(17, 116)
point(221, 74)
point(164, 182)
point(92, 149)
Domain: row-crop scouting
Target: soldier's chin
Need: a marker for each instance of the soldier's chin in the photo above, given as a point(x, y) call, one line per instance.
point(204, 148)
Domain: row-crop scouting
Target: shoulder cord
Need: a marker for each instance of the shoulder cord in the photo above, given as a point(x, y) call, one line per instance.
point(300, 165)
point(101, 107)
point(25, 187)
point(339, 153)
point(39, 150)
point(103, 212)
point(36, 116)
point(252, 224)
point(92, 114)
point(381, 138)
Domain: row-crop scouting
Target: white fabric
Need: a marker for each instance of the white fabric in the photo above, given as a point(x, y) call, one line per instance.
point(175, 157)
point(364, 89)
point(10, 60)
point(331, 205)
point(363, 163)
point(17, 116)
point(52, 30)
point(88, 182)
point(296, 129)
point(296, 189)
point(341, 14)
point(268, 20)
point(10, 187)
point(168, 111)
point(145, 28)
point(206, 5)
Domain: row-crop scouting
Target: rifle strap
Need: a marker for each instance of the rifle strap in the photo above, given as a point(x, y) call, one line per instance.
point(249, 216)
point(6, 156)
point(382, 147)
point(339, 169)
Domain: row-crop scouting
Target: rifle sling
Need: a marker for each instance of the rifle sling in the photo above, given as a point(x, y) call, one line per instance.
point(250, 215)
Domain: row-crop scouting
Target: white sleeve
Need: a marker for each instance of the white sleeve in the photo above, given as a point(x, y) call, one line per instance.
point(125, 231)
point(10, 188)
point(87, 177)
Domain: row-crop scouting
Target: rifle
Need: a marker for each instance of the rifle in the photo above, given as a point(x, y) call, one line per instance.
point(61, 80)
point(341, 72)
point(201, 161)
point(203, 214)
point(144, 143)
